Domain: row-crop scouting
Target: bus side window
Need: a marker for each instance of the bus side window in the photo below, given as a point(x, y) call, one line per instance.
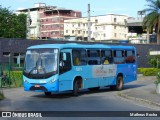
point(130, 56)
point(106, 57)
point(119, 57)
point(93, 57)
point(65, 62)
point(79, 57)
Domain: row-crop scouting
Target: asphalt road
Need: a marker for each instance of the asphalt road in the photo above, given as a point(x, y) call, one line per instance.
point(102, 100)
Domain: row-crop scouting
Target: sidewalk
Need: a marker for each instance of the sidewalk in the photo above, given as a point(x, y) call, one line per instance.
point(143, 90)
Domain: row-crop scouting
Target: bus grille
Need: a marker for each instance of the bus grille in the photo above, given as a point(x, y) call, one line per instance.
point(38, 88)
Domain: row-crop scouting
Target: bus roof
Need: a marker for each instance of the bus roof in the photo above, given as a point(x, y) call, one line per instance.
point(76, 45)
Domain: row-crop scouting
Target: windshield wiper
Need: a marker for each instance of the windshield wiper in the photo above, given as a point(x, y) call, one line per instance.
point(32, 70)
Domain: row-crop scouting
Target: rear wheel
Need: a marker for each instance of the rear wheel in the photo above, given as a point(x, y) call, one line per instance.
point(75, 88)
point(47, 93)
point(119, 84)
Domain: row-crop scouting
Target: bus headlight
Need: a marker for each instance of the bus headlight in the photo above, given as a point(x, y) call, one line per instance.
point(26, 81)
point(52, 81)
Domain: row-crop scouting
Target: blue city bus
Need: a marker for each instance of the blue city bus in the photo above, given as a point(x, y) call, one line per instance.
point(54, 68)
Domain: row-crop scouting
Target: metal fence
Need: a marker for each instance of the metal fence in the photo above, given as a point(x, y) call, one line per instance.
point(10, 76)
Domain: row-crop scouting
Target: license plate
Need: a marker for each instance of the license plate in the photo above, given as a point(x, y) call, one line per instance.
point(36, 86)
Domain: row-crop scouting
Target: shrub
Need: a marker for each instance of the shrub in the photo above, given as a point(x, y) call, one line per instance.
point(16, 76)
point(157, 81)
point(148, 71)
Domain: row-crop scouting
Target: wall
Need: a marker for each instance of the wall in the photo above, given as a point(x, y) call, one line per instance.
point(20, 46)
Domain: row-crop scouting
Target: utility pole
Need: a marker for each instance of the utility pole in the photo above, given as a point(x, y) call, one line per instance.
point(28, 22)
point(89, 24)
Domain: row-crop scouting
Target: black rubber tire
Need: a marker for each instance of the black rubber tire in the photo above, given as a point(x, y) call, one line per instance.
point(47, 93)
point(75, 88)
point(94, 89)
point(119, 84)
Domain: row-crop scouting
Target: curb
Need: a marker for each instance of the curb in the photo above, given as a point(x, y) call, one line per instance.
point(140, 100)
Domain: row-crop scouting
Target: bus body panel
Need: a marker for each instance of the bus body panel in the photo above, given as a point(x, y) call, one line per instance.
point(41, 85)
point(92, 75)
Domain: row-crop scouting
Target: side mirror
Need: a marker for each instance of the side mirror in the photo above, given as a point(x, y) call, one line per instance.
point(137, 55)
point(61, 64)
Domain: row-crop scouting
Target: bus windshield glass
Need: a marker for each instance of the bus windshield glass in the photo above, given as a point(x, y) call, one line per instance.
point(41, 61)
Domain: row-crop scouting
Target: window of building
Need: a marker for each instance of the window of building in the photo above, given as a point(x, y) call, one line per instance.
point(18, 59)
point(61, 33)
point(104, 27)
point(66, 31)
point(115, 27)
point(79, 32)
point(72, 31)
point(79, 57)
point(104, 35)
point(125, 35)
point(96, 21)
point(115, 20)
point(115, 34)
point(79, 24)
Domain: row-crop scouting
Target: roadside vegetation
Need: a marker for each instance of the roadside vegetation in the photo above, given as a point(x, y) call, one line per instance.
point(1, 96)
point(11, 24)
point(152, 19)
point(148, 71)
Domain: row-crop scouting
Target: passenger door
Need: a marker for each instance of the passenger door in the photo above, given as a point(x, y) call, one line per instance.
point(65, 77)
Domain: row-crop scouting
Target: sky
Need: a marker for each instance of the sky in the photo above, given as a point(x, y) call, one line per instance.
point(98, 7)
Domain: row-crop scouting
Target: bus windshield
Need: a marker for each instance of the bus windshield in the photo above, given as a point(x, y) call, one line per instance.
point(41, 61)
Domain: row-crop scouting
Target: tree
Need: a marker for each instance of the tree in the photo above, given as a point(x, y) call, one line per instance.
point(152, 19)
point(12, 25)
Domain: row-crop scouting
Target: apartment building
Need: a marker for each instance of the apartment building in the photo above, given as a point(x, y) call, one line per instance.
point(110, 27)
point(48, 21)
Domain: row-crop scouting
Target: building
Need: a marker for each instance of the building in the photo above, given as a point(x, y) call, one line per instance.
point(47, 21)
point(110, 28)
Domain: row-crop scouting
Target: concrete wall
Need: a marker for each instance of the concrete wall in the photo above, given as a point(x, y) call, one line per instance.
point(19, 46)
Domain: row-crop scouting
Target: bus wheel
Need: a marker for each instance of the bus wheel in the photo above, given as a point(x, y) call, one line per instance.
point(119, 84)
point(47, 93)
point(75, 88)
point(94, 89)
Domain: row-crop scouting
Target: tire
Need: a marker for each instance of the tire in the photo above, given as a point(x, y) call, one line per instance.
point(75, 88)
point(94, 89)
point(47, 93)
point(119, 84)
